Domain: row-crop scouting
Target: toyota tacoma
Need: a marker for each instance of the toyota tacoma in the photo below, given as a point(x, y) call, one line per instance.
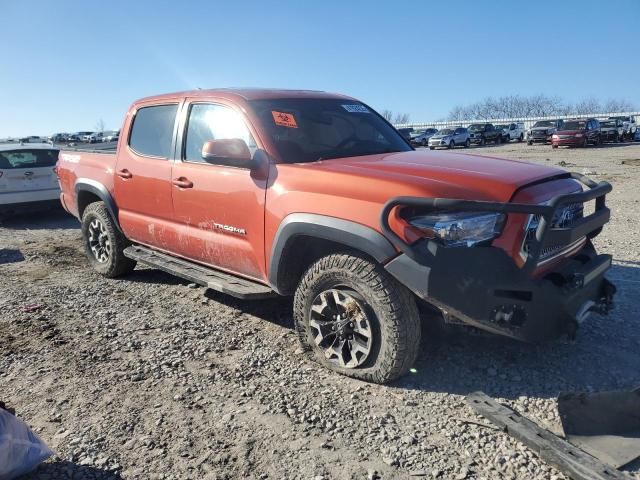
point(259, 193)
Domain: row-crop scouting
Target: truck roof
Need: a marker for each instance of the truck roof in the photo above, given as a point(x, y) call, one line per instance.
point(246, 94)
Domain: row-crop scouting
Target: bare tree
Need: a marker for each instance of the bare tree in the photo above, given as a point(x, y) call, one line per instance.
point(387, 114)
point(100, 126)
point(587, 107)
point(401, 118)
point(516, 106)
point(620, 105)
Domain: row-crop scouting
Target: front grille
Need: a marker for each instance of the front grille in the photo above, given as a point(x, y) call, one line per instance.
point(539, 134)
point(563, 217)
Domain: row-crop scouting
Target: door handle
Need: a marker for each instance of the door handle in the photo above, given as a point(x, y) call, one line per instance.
point(124, 173)
point(182, 182)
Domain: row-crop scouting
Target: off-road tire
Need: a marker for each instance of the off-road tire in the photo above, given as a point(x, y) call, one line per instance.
point(394, 315)
point(117, 264)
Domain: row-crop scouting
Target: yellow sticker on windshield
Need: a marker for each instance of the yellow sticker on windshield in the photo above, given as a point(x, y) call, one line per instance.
point(284, 119)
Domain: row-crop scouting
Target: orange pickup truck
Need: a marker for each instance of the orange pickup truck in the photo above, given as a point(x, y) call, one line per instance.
point(257, 193)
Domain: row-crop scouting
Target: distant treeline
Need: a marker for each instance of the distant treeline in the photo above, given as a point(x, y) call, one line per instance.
point(516, 106)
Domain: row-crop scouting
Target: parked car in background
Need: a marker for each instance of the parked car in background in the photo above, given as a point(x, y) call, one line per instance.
point(512, 131)
point(542, 131)
point(59, 137)
point(406, 132)
point(112, 136)
point(421, 137)
point(450, 138)
point(636, 136)
point(95, 137)
point(85, 136)
point(612, 130)
point(27, 176)
point(629, 125)
point(482, 133)
point(33, 139)
point(577, 133)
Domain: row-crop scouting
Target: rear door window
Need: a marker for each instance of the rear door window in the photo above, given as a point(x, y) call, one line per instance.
point(28, 158)
point(152, 131)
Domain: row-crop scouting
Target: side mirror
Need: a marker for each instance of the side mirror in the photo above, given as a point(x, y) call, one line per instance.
point(230, 151)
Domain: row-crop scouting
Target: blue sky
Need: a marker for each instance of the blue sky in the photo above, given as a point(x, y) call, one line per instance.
point(68, 64)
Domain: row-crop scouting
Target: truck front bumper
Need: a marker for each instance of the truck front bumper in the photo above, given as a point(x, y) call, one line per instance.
point(483, 287)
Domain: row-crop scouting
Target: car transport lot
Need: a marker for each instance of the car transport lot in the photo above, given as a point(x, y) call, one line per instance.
point(150, 377)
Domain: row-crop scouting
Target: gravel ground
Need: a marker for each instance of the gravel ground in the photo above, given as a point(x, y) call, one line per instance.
point(149, 377)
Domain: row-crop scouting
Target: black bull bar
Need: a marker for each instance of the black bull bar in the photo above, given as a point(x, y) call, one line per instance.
point(545, 236)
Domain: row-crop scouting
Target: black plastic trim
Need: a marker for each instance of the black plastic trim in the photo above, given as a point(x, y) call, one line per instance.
point(92, 186)
point(351, 234)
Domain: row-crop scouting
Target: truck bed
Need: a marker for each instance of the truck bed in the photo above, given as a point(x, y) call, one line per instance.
point(85, 164)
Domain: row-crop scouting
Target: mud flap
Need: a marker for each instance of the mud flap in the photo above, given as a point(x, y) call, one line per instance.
point(604, 424)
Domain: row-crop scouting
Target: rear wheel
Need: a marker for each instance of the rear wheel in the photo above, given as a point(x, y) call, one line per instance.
point(530, 142)
point(483, 141)
point(521, 138)
point(424, 142)
point(354, 318)
point(104, 243)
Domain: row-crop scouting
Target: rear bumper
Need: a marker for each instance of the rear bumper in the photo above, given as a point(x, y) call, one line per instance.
point(20, 198)
point(483, 286)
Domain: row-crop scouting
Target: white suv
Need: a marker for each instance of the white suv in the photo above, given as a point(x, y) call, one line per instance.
point(27, 176)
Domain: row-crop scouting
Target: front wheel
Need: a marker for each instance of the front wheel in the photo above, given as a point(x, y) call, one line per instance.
point(521, 138)
point(483, 141)
point(451, 144)
point(355, 319)
point(424, 143)
point(104, 243)
point(432, 148)
point(467, 144)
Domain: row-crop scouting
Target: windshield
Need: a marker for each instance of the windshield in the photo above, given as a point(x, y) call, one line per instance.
point(446, 131)
point(502, 127)
point(608, 124)
point(476, 127)
point(546, 123)
point(312, 129)
point(417, 133)
point(575, 125)
point(28, 158)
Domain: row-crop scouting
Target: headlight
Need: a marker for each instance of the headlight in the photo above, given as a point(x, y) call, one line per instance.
point(579, 135)
point(463, 229)
point(555, 137)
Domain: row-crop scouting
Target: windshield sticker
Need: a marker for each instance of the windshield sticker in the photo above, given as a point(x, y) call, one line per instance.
point(356, 108)
point(284, 119)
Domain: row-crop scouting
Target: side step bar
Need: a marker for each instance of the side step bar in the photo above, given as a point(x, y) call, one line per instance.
point(207, 277)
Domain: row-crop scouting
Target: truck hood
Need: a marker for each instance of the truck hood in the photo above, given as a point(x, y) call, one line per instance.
point(435, 174)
